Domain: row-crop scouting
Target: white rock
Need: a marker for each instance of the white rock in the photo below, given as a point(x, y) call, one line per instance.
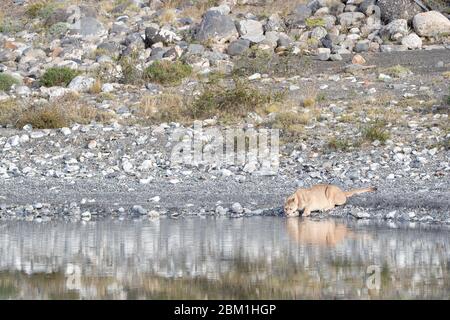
point(412, 41)
point(107, 87)
point(431, 23)
point(251, 30)
point(66, 131)
point(155, 199)
point(81, 84)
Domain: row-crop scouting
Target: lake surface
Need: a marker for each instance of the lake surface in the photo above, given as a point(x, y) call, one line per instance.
point(212, 258)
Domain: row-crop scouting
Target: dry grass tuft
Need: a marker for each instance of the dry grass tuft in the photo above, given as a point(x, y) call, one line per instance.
point(60, 113)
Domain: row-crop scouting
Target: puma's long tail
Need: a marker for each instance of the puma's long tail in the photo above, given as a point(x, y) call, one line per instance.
point(358, 191)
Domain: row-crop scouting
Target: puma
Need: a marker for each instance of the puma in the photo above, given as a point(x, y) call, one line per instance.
point(321, 197)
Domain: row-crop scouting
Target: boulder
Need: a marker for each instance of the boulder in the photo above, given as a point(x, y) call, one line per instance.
point(216, 26)
point(238, 47)
point(89, 26)
point(323, 54)
point(431, 23)
point(394, 27)
point(298, 16)
point(351, 19)
point(251, 30)
point(412, 41)
point(398, 9)
point(81, 84)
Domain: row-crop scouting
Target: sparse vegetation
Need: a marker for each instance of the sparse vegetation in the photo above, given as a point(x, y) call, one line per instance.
point(339, 144)
point(131, 73)
point(59, 113)
point(315, 22)
point(96, 87)
point(58, 76)
point(167, 73)
point(376, 131)
point(47, 117)
point(7, 81)
point(165, 107)
point(40, 9)
point(9, 111)
point(397, 71)
point(233, 102)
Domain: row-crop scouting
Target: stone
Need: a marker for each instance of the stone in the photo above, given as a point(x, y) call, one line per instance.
point(238, 47)
point(89, 26)
point(216, 26)
point(66, 131)
point(81, 84)
point(398, 9)
point(335, 57)
point(323, 54)
point(251, 30)
point(358, 59)
point(351, 19)
point(237, 208)
point(299, 15)
point(222, 9)
point(153, 34)
point(412, 41)
point(396, 26)
point(362, 46)
point(431, 23)
point(137, 209)
point(318, 33)
point(274, 23)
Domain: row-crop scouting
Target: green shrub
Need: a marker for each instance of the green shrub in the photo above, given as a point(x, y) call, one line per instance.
point(7, 81)
point(339, 144)
point(315, 22)
point(167, 73)
point(58, 29)
point(376, 131)
point(40, 9)
point(131, 74)
point(233, 102)
point(58, 76)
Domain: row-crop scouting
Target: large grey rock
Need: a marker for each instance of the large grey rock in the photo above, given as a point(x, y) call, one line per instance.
point(81, 84)
point(431, 23)
point(238, 47)
point(323, 54)
point(318, 33)
point(299, 15)
point(154, 34)
point(251, 30)
point(216, 26)
point(351, 19)
point(394, 27)
point(89, 26)
point(398, 9)
point(274, 23)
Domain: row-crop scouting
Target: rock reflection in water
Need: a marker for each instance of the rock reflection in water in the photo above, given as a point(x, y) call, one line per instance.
point(255, 258)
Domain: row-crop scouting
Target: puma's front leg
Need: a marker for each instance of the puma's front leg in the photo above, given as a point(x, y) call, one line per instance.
point(306, 212)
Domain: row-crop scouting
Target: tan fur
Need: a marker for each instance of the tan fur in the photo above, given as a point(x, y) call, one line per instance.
point(322, 233)
point(321, 197)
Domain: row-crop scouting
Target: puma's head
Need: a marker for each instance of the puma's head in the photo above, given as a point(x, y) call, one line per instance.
point(291, 206)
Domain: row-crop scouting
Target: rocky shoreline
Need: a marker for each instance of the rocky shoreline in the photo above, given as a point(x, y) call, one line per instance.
point(91, 98)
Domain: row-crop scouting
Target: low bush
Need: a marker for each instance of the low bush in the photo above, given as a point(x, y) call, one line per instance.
point(58, 76)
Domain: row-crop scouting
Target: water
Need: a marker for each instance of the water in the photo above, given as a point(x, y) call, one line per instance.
point(207, 258)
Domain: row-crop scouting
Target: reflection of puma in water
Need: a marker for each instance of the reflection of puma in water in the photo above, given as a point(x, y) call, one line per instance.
point(322, 233)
